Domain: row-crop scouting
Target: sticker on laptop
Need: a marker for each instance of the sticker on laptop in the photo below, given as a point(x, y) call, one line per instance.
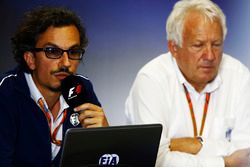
point(109, 159)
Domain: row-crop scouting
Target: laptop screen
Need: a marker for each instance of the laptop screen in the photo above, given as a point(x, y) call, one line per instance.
point(127, 145)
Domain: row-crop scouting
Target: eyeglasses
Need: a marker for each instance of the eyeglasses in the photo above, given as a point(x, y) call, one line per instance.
point(57, 53)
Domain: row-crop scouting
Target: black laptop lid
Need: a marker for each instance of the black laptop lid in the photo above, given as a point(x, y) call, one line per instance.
point(130, 146)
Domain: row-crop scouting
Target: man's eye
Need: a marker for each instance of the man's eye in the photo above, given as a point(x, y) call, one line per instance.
point(217, 45)
point(197, 45)
point(75, 51)
point(53, 50)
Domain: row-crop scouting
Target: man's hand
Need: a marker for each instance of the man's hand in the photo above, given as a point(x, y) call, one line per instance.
point(239, 158)
point(186, 144)
point(91, 116)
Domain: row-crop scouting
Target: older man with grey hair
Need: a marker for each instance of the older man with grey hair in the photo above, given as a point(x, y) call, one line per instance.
point(198, 93)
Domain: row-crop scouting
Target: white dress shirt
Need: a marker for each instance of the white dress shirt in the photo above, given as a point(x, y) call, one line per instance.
point(158, 96)
point(36, 95)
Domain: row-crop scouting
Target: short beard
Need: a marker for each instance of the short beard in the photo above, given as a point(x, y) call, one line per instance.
point(56, 90)
point(62, 69)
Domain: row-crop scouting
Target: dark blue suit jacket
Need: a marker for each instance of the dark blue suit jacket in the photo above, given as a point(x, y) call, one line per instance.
point(24, 132)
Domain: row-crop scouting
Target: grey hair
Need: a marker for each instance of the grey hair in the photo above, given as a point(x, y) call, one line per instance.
point(175, 21)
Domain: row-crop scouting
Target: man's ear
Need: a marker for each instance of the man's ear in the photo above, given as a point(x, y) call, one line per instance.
point(172, 47)
point(29, 59)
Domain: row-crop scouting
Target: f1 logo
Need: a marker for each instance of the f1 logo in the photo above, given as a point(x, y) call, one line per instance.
point(71, 92)
point(109, 159)
point(74, 91)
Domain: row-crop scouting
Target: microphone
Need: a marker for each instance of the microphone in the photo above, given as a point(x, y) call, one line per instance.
point(73, 91)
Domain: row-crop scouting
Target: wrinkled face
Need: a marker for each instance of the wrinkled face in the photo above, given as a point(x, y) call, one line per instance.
point(201, 51)
point(47, 73)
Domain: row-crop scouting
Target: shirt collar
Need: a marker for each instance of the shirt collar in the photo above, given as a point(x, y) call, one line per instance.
point(36, 94)
point(210, 87)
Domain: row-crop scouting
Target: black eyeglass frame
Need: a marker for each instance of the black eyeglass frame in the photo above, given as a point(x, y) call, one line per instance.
point(46, 50)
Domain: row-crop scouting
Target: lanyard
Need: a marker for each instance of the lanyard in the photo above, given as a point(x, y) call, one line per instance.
point(192, 112)
point(48, 117)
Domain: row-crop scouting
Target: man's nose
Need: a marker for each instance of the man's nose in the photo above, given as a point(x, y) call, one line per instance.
point(65, 59)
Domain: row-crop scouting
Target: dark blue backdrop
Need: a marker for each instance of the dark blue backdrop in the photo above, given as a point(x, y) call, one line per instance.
point(123, 35)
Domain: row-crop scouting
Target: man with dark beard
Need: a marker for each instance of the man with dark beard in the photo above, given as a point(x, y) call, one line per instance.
point(48, 46)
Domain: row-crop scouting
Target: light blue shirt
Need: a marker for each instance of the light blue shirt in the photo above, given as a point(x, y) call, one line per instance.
point(36, 95)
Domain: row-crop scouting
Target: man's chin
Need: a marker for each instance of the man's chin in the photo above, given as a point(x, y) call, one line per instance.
point(56, 89)
point(208, 79)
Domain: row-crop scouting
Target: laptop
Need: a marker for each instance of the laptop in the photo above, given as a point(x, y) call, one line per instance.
point(124, 146)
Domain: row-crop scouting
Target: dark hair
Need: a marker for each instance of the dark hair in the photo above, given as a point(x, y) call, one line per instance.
point(36, 22)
